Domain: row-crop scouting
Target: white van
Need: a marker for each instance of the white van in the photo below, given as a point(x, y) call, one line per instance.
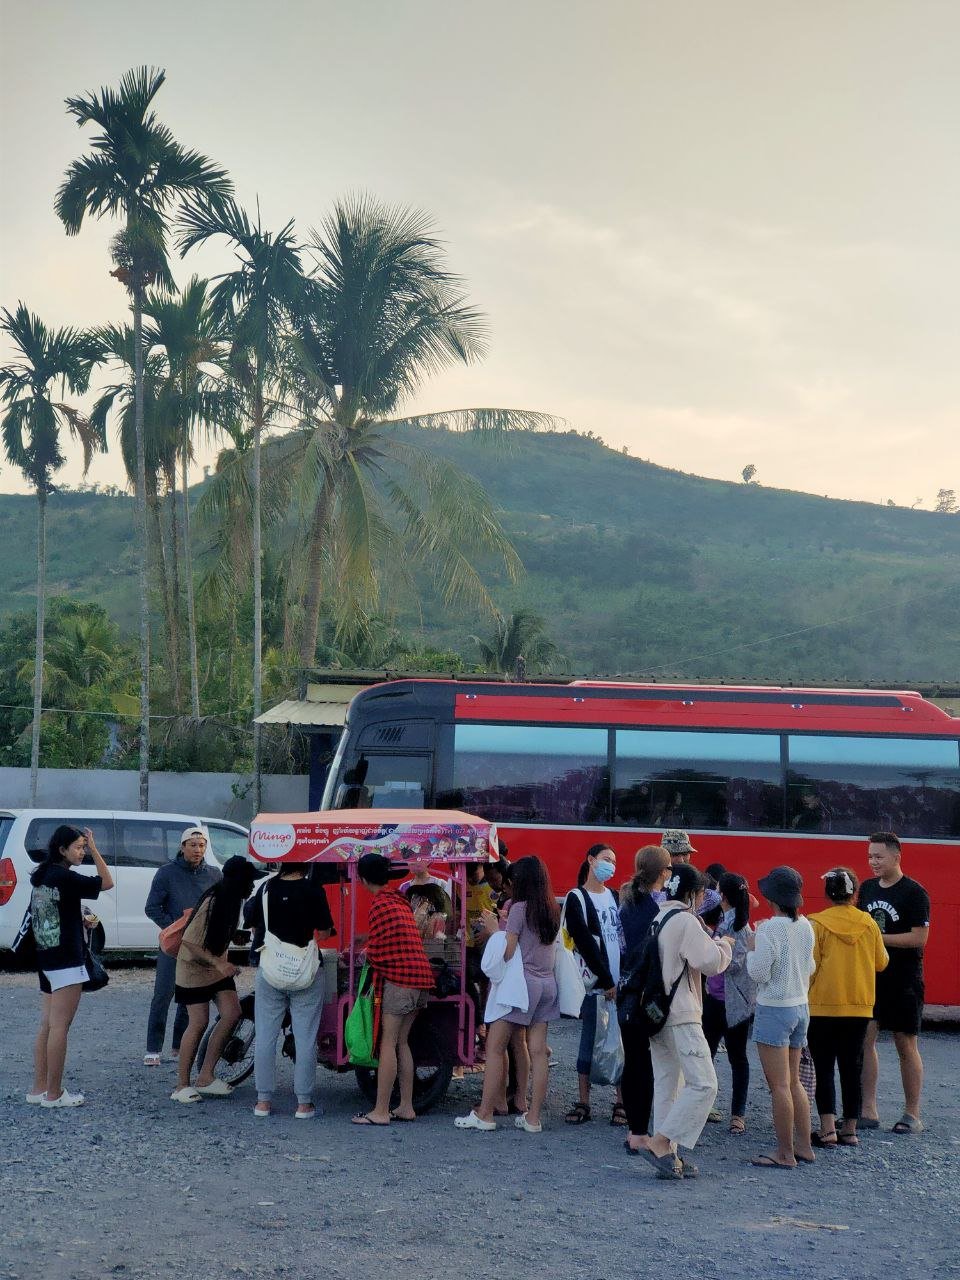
point(134, 846)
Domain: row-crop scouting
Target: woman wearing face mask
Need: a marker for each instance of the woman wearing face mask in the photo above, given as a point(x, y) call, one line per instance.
point(592, 919)
point(684, 1080)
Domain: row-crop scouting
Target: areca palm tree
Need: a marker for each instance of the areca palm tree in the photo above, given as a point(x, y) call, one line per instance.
point(253, 303)
point(136, 171)
point(117, 346)
point(32, 423)
point(184, 327)
point(381, 315)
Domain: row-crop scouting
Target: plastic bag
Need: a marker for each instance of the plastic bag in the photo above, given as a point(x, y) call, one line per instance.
point(606, 1063)
point(358, 1028)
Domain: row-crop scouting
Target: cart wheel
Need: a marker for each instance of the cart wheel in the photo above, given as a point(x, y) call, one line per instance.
point(236, 1060)
point(432, 1067)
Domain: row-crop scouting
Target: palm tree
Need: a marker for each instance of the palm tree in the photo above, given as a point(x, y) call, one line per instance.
point(117, 345)
point(31, 440)
point(252, 303)
point(136, 171)
point(381, 315)
point(184, 327)
point(518, 644)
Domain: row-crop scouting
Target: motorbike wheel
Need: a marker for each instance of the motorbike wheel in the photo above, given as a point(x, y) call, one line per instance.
point(236, 1060)
point(432, 1069)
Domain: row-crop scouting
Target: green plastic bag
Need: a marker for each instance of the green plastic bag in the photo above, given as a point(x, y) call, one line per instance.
point(358, 1028)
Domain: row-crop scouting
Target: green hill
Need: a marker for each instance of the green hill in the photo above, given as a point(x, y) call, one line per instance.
point(636, 568)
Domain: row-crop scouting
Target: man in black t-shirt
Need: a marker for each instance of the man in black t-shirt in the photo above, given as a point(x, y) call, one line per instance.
point(901, 908)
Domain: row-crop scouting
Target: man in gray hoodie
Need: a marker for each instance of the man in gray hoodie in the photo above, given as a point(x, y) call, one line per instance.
point(176, 888)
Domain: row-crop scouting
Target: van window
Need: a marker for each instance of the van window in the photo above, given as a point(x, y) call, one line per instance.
point(226, 843)
point(40, 830)
point(147, 842)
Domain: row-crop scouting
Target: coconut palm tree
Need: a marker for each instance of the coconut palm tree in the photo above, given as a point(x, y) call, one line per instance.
point(136, 171)
point(31, 429)
point(518, 644)
point(252, 303)
point(380, 316)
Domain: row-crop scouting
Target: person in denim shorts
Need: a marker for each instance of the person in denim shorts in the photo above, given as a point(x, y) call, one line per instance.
point(781, 964)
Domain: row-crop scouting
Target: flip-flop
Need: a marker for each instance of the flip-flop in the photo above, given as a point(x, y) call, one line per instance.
point(805, 1160)
point(907, 1124)
point(395, 1115)
point(866, 1122)
point(768, 1162)
point(667, 1166)
point(362, 1118)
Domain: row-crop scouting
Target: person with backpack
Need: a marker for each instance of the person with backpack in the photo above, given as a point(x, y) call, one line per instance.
point(780, 961)
point(679, 952)
point(56, 919)
point(638, 910)
point(592, 919)
point(291, 909)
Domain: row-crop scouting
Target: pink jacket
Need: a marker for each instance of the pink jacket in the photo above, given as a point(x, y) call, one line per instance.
point(684, 939)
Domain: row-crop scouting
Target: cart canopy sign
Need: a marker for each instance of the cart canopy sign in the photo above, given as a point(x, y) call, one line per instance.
point(402, 835)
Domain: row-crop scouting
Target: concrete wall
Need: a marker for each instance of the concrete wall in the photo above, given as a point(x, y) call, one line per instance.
point(208, 795)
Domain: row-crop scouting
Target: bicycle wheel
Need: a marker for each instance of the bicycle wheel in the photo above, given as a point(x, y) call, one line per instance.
point(236, 1060)
point(432, 1067)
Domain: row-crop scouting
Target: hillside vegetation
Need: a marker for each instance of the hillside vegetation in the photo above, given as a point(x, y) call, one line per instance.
point(636, 568)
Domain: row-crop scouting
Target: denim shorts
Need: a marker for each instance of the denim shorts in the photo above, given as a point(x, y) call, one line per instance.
point(781, 1026)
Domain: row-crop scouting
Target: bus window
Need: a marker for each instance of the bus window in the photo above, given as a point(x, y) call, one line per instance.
point(857, 785)
point(529, 773)
point(664, 778)
point(385, 782)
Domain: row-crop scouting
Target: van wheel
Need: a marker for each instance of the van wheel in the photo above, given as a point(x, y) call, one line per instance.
point(236, 1060)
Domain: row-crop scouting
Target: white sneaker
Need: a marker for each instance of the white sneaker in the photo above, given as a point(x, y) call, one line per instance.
point(473, 1121)
point(34, 1098)
point(65, 1100)
point(151, 1059)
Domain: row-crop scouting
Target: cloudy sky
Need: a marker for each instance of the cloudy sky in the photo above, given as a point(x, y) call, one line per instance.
point(719, 232)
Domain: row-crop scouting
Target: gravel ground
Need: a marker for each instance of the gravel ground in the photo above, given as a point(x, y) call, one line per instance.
point(131, 1185)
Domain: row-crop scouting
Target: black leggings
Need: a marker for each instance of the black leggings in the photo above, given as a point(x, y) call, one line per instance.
point(735, 1038)
point(837, 1044)
point(636, 1083)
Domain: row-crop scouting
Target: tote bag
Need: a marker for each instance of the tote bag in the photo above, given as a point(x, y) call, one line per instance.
point(284, 966)
point(358, 1028)
point(570, 985)
point(588, 977)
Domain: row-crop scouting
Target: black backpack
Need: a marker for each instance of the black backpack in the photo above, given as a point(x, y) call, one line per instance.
point(643, 1001)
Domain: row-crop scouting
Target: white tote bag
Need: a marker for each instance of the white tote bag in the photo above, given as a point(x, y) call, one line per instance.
point(284, 966)
point(570, 986)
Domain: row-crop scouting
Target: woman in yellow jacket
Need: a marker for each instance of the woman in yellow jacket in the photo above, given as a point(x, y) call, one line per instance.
point(848, 952)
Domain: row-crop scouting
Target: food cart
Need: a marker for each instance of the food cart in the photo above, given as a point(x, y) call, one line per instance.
point(332, 843)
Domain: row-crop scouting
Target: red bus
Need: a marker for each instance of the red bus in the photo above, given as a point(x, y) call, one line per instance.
point(757, 776)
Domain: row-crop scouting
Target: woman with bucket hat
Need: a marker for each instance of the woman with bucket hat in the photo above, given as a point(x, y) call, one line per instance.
point(780, 961)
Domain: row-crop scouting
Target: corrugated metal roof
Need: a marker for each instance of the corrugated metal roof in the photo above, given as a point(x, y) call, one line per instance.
point(303, 712)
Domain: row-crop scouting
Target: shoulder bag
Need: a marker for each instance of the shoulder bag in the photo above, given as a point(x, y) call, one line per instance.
point(283, 965)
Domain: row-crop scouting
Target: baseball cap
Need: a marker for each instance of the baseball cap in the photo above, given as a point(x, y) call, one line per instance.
point(676, 842)
point(783, 886)
point(192, 832)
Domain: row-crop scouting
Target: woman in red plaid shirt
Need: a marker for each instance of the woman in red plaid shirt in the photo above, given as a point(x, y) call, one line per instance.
point(402, 980)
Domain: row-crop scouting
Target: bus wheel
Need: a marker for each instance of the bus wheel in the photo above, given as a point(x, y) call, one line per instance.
point(432, 1070)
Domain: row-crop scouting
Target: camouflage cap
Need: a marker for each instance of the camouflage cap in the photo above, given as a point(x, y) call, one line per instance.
point(676, 842)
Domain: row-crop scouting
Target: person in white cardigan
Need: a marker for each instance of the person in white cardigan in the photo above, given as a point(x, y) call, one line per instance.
point(781, 964)
point(684, 1079)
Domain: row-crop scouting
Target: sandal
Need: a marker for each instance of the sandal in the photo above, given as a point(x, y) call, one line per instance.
point(907, 1124)
point(738, 1126)
point(848, 1140)
point(823, 1140)
point(579, 1113)
point(619, 1114)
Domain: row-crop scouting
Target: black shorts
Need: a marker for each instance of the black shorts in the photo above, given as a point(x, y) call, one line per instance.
point(899, 1008)
point(202, 995)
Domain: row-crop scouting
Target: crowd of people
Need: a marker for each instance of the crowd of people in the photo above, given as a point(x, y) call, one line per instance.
point(810, 993)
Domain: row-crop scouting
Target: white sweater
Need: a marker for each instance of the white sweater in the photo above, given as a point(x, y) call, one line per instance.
point(782, 963)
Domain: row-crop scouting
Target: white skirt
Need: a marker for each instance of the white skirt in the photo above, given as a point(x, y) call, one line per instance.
point(58, 978)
